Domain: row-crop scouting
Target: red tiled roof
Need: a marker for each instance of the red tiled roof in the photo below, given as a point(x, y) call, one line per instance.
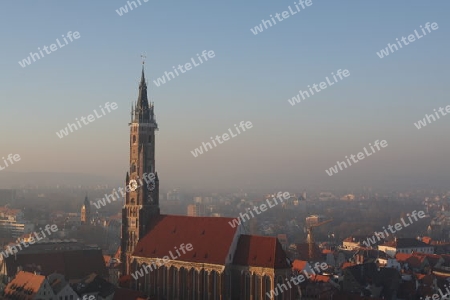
point(211, 238)
point(299, 265)
point(433, 259)
point(260, 251)
point(426, 240)
point(24, 286)
point(402, 257)
point(420, 276)
point(415, 259)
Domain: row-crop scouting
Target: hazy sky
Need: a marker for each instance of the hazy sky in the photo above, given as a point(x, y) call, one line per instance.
point(250, 78)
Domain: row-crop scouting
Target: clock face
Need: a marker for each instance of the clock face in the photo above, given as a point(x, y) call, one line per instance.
point(151, 186)
point(133, 185)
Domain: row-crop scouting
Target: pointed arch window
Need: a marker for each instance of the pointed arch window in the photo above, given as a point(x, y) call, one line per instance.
point(279, 281)
point(247, 280)
point(267, 284)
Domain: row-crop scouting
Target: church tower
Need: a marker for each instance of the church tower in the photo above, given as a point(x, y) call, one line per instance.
point(86, 211)
point(142, 197)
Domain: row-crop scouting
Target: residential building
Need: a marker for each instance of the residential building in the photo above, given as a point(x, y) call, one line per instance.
point(12, 223)
point(405, 245)
point(29, 286)
point(73, 260)
point(61, 288)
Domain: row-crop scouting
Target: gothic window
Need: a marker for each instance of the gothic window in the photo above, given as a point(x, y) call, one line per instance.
point(256, 287)
point(134, 139)
point(133, 167)
point(183, 282)
point(132, 200)
point(164, 278)
point(175, 290)
point(192, 275)
point(228, 282)
point(146, 283)
point(247, 286)
point(279, 281)
point(214, 280)
point(267, 284)
point(155, 280)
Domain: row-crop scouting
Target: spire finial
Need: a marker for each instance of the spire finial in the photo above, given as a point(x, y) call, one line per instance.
point(143, 56)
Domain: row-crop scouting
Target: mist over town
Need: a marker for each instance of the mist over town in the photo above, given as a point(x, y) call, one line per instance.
point(224, 150)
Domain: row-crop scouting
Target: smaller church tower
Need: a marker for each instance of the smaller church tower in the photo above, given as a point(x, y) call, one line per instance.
point(86, 211)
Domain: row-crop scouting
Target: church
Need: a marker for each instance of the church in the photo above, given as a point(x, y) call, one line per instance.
point(181, 257)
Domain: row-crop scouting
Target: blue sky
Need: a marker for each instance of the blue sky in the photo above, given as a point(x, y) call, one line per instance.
point(250, 79)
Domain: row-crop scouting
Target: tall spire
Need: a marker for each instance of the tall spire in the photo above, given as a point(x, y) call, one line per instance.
point(142, 111)
point(142, 76)
point(142, 101)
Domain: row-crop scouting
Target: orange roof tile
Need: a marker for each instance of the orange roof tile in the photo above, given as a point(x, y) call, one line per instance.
point(426, 240)
point(299, 265)
point(402, 257)
point(24, 286)
point(211, 238)
point(260, 251)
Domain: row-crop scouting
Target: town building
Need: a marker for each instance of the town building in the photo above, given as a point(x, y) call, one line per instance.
point(192, 210)
point(405, 245)
point(71, 259)
point(61, 287)
point(29, 286)
point(12, 223)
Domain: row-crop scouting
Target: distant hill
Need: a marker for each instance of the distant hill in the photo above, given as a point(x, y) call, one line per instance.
point(53, 179)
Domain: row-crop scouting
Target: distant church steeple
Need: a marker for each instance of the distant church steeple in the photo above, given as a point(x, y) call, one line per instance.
point(86, 211)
